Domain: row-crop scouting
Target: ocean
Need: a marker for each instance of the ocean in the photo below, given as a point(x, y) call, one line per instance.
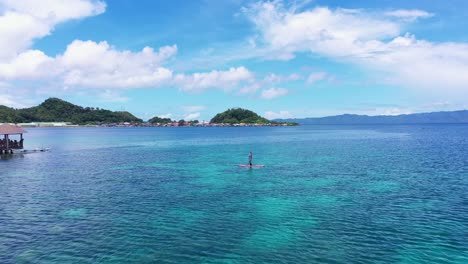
point(327, 194)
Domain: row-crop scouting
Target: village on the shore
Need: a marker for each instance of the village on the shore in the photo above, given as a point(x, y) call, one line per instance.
point(55, 112)
point(148, 124)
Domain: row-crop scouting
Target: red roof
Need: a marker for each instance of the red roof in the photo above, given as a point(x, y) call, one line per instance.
point(11, 129)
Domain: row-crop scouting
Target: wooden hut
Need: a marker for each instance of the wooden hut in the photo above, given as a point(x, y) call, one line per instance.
point(7, 145)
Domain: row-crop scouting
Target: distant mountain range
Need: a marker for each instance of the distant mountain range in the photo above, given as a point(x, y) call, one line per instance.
point(422, 118)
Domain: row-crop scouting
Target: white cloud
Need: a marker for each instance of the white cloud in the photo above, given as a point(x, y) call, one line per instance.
point(22, 21)
point(275, 78)
point(28, 65)
point(419, 63)
point(270, 79)
point(273, 93)
point(279, 115)
point(10, 101)
point(319, 30)
point(91, 64)
point(113, 97)
point(409, 15)
point(316, 77)
point(192, 116)
point(56, 10)
point(224, 80)
point(166, 116)
point(17, 32)
point(250, 88)
point(437, 105)
point(85, 64)
point(346, 36)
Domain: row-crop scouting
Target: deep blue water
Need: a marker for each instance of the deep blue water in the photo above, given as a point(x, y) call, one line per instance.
point(342, 194)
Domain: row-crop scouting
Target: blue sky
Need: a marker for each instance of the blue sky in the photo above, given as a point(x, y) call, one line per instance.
point(193, 59)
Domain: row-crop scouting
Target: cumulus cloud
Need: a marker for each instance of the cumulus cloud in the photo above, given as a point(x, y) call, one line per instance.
point(345, 35)
point(30, 64)
point(89, 64)
point(23, 21)
point(92, 64)
point(169, 115)
point(270, 79)
point(84, 64)
point(192, 116)
point(409, 15)
point(316, 77)
point(55, 10)
point(275, 78)
point(321, 29)
point(278, 115)
point(10, 101)
point(273, 93)
point(224, 80)
point(250, 88)
point(192, 111)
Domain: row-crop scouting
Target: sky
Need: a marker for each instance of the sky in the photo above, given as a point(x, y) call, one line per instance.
point(192, 59)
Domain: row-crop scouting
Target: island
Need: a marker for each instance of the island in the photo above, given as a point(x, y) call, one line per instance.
point(233, 117)
point(55, 112)
point(244, 117)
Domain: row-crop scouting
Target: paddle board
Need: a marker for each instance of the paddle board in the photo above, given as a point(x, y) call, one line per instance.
point(253, 166)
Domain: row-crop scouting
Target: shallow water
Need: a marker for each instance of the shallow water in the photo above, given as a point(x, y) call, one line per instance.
point(342, 194)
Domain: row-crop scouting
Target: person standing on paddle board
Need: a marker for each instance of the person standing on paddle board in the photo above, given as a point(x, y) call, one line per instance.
point(250, 159)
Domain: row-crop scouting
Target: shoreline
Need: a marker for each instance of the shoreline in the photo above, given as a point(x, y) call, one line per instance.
point(128, 124)
point(147, 126)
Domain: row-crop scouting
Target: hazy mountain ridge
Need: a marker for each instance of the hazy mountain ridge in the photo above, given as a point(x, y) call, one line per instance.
point(444, 117)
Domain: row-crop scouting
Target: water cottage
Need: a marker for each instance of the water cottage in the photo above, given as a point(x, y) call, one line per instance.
point(7, 145)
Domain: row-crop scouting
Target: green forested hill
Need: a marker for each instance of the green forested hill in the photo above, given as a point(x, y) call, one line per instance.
point(160, 120)
point(239, 115)
point(57, 110)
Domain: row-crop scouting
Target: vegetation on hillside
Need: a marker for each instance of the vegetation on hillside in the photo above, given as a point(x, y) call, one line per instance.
point(237, 116)
point(159, 120)
point(57, 110)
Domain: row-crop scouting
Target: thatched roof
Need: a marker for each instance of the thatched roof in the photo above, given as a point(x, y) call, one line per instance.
point(11, 129)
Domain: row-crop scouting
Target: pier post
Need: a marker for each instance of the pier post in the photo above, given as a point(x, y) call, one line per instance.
point(7, 143)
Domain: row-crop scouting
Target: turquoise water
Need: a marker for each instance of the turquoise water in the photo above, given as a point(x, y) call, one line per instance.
point(364, 194)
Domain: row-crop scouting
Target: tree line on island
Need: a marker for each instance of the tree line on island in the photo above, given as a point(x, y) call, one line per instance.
point(57, 110)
